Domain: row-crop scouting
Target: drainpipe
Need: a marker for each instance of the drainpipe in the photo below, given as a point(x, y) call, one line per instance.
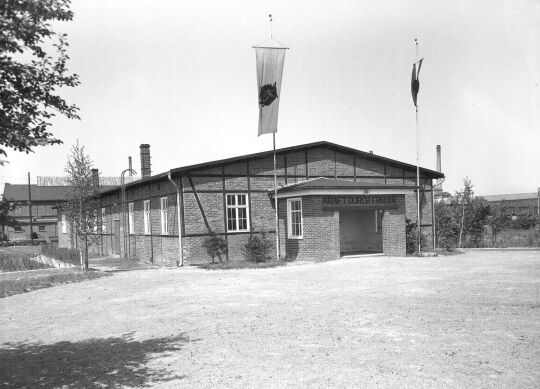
point(179, 221)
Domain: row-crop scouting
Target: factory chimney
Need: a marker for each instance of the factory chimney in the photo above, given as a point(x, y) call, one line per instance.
point(145, 160)
point(95, 178)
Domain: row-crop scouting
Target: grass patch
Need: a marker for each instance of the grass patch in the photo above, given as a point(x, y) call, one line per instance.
point(22, 282)
point(17, 262)
point(240, 265)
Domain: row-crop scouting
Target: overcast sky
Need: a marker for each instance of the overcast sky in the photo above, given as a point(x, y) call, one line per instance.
point(181, 77)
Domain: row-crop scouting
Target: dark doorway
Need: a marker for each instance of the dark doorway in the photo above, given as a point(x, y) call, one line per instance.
point(358, 232)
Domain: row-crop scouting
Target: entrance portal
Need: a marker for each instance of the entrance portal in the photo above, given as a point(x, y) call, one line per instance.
point(358, 232)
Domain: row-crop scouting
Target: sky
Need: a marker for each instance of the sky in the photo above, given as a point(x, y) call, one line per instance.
point(180, 75)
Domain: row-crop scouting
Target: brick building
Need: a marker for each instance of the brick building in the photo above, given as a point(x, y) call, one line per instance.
point(516, 204)
point(332, 200)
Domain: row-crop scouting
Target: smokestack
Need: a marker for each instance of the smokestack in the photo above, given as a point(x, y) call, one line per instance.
point(130, 167)
point(145, 160)
point(439, 158)
point(95, 178)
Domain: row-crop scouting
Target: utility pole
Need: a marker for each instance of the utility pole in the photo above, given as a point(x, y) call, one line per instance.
point(30, 210)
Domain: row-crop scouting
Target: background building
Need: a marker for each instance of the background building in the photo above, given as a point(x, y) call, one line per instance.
point(516, 204)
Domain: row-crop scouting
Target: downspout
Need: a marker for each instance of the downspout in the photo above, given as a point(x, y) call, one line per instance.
point(179, 221)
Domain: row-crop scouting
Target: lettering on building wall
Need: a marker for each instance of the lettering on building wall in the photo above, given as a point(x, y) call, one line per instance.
point(360, 200)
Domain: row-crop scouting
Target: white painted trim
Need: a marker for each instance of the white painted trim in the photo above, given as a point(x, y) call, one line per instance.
point(131, 218)
point(147, 217)
point(235, 207)
point(289, 219)
point(329, 192)
point(164, 215)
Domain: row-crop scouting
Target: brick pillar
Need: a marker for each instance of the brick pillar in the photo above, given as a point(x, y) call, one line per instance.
point(393, 230)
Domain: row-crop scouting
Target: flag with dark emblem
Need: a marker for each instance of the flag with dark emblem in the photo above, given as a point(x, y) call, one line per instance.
point(415, 83)
point(269, 73)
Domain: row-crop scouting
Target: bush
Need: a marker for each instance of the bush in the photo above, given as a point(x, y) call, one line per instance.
point(20, 261)
point(257, 249)
point(413, 234)
point(65, 255)
point(215, 246)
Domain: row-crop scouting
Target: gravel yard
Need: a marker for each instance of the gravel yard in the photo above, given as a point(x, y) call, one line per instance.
point(468, 320)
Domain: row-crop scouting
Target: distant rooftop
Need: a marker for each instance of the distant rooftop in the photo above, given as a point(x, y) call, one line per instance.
point(63, 181)
point(511, 196)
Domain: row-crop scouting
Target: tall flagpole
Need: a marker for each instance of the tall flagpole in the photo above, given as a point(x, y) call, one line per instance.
point(419, 228)
point(275, 171)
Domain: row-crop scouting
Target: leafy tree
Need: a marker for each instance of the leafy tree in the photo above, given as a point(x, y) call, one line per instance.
point(29, 76)
point(6, 207)
point(447, 226)
point(497, 221)
point(80, 206)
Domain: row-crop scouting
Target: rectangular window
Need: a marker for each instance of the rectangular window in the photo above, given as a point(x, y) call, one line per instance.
point(294, 219)
point(131, 224)
point(146, 215)
point(64, 224)
point(41, 229)
point(103, 221)
point(163, 213)
point(237, 213)
point(378, 220)
point(17, 229)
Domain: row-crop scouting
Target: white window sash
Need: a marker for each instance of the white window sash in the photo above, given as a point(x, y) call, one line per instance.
point(290, 231)
point(235, 212)
point(103, 221)
point(64, 224)
point(146, 215)
point(130, 219)
point(164, 216)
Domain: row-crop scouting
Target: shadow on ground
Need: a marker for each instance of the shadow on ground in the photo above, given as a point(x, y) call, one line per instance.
point(109, 362)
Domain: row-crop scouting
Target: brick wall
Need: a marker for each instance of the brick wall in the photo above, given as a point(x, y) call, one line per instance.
point(394, 243)
point(254, 177)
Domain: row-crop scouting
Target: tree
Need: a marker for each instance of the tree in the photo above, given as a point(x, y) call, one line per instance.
point(80, 206)
point(474, 213)
point(29, 76)
point(6, 207)
point(497, 221)
point(447, 225)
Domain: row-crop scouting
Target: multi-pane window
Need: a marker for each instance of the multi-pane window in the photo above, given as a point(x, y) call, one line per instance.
point(146, 216)
point(237, 212)
point(164, 222)
point(103, 221)
point(41, 228)
point(294, 218)
point(378, 220)
point(131, 215)
point(17, 229)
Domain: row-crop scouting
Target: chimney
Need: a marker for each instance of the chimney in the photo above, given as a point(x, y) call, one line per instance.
point(439, 158)
point(95, 178)
point(145, 160)
point(130, 167)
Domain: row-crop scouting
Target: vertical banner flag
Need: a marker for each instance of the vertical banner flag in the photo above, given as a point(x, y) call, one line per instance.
point(415, 83)
point(269, 72)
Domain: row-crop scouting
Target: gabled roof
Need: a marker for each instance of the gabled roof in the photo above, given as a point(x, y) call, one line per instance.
point(329, 183)
point(511, 196)
point(19, 192)
point(345, 149)
point(333, 146)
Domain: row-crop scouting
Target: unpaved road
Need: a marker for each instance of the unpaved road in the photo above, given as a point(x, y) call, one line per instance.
point(469, 320)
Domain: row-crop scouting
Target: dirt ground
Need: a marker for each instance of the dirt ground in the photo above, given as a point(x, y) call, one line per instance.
point(468, 321)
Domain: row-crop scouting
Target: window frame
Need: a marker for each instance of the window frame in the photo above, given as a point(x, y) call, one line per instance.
point(17, 229)
point(64, 224)
point(42, 228)
point(164, 215)
point(235, 207)
point(290, 234)
point(146, 217)
point(131, 218)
